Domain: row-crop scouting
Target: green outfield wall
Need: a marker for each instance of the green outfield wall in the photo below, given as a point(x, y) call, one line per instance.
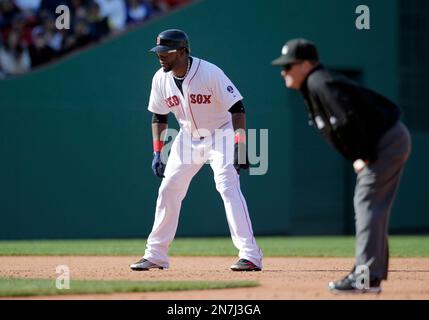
point(75, 138)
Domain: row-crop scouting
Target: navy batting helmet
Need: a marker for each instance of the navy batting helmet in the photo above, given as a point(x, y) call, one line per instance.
point(170, 40)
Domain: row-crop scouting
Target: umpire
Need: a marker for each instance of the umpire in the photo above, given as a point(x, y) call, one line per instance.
point(365, 128)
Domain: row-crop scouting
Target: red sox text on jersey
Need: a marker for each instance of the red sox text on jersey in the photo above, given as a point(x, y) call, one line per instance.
point(195, 99)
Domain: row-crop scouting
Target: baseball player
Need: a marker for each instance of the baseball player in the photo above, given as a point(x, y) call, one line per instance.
point(365, 128)
point(210, 111)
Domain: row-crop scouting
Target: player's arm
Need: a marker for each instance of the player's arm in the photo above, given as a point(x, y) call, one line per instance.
point(238, 118)
point(159, 127)
point(238, 114)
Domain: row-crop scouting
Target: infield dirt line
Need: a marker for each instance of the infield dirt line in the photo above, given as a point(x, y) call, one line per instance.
point(282, 278)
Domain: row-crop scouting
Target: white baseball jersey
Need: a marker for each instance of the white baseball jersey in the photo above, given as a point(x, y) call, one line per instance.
point(207, 96)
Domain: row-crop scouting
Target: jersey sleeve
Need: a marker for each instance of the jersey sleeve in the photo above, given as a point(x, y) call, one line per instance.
point(224, 90)
point(156, 101)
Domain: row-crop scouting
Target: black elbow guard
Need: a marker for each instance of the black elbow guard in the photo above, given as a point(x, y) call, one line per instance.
point(159, 118)
point(238, 107)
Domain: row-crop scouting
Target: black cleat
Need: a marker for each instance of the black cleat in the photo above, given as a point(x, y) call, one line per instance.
point(348, 285)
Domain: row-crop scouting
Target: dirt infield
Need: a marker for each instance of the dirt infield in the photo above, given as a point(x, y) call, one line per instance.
point(282, 278)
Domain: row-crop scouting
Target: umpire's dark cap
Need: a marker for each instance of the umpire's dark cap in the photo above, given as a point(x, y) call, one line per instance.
point(297, 50)
point(171, 39)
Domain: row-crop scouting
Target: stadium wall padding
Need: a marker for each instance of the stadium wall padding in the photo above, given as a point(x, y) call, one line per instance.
point(76, 144)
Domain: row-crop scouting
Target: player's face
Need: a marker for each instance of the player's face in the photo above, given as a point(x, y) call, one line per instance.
point(168, 60)
point(294, 75)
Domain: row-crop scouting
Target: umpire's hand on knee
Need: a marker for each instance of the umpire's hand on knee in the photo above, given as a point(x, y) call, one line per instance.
point(359, 165)
point(158, 166)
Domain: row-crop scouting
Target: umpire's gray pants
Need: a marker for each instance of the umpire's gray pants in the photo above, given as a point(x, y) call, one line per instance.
point(375, 192)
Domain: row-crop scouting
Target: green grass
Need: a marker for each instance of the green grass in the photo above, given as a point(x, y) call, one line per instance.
point(13, 287)
point(400, 246)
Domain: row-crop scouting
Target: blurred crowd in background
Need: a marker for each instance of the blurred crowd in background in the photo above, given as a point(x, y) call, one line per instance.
point(29, 36)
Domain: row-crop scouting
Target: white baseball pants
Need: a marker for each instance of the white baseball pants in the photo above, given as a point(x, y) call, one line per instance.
point(180, 169)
